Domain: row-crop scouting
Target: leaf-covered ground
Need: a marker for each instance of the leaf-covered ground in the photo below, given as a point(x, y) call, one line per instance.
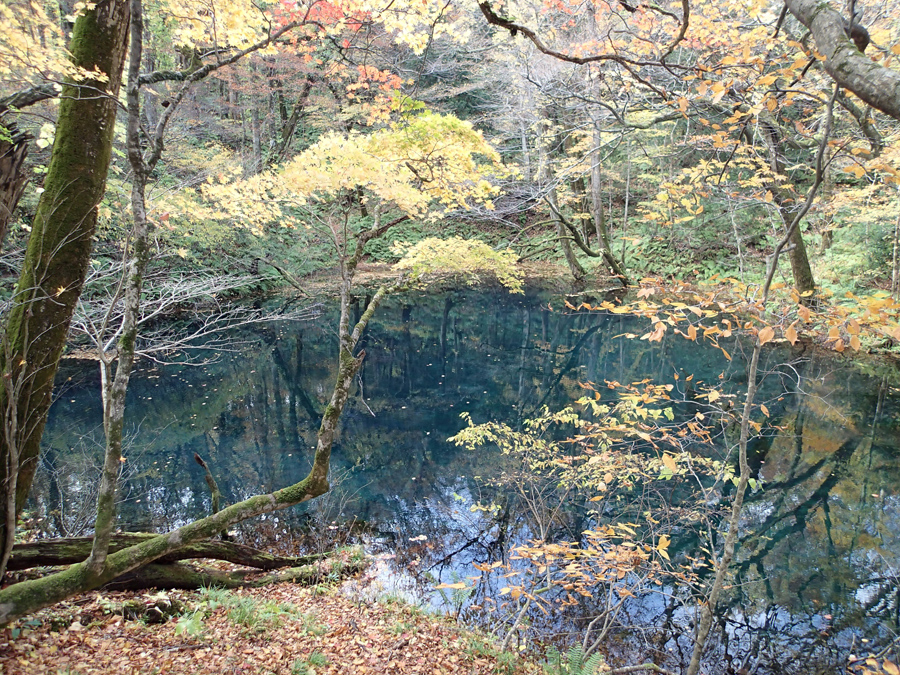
point(278, 629)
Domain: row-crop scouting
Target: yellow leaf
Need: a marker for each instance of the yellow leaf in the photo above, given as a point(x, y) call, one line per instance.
point(855, 343)
point(853, 327)
point(890, 668)
point(182, 252)
point(669, 462)
point(765, 410)
point(692, 332)
point(457, 586)
point(804, 312)
point(766, 334)
point(714, 395)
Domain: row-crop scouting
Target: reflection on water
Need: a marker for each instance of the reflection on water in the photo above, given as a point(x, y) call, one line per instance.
point(816, 570)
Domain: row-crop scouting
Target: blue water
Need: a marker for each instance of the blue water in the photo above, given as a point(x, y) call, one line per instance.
point(815, 572)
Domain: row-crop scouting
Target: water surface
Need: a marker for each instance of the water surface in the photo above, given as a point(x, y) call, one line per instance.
point(816, 568)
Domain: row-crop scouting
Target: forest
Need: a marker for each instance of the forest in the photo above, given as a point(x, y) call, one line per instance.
point(683, 219)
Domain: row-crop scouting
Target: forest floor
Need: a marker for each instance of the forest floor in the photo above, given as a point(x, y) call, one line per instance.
point(280, 629)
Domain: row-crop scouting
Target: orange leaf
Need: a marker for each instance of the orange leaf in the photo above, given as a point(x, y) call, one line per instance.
point(791, 335)
point(766, 334)
point(854, 343)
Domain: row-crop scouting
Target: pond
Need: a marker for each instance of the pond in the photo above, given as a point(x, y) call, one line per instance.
point(816, 573)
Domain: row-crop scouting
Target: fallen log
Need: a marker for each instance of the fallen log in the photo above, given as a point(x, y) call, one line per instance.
point(179, 575)
point(71, 550)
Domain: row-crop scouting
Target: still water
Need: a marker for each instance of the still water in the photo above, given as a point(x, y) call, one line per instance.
point(816, 576)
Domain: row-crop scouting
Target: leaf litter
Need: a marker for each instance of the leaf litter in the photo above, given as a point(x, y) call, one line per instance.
point(280, 629)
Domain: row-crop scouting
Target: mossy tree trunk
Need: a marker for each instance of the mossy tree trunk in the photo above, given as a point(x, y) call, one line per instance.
point(58, 252)
point(874, 82)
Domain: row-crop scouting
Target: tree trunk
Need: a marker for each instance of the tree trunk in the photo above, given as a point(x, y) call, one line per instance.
point(13, 177)
point(114, 392)
point(256, 161)
point(800, 267)
point(575, 267)
point(56, 552)
point(290, 124)
point(875, 83)
point(786, 203)
point(58, 253)
point(189, 577)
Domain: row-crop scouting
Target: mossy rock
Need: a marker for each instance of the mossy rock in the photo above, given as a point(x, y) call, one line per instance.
point(152, 609)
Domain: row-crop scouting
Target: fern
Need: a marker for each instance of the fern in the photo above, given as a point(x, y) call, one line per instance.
point(575, 663)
